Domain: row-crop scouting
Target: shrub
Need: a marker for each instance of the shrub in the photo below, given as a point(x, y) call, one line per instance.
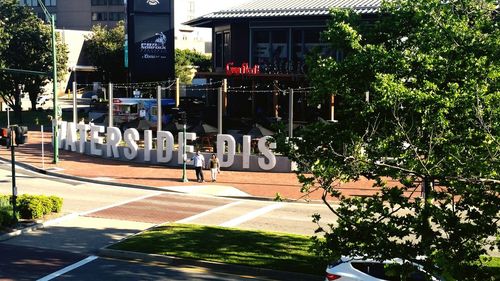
point(36, 206)
point(30, 207)
point(57, 203)
point(6, 218)
point(46, 204)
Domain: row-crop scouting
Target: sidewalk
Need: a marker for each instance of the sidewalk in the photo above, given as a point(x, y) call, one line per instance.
point(256, 184)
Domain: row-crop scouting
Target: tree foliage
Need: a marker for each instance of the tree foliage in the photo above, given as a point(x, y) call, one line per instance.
point(427, 135)
point(186, 60)
point(105, 50)
point(25, 43)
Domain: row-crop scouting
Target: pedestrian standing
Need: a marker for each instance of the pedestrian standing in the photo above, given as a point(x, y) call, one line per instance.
point(199, 163)
point(214, 167)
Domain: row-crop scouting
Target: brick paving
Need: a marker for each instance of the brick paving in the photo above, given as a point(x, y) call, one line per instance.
point(159, 209)
point(259, 184)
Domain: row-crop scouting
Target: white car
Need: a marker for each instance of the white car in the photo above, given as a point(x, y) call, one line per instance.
point(353, 269)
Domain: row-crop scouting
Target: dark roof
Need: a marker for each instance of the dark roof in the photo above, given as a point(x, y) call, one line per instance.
point(286, 8)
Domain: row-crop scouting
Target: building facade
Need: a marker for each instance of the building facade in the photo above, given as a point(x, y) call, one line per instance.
point(276, 35)
point(81, 14)
point(260, 48)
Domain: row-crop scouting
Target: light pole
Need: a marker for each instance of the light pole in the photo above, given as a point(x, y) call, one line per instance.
point(184, 156)
point(55, 134)
point(183, 119)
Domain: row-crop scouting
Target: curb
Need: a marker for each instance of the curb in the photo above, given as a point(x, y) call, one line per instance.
point(144, 187)
point(252, 272)
point(21, 231)
point(36, 226)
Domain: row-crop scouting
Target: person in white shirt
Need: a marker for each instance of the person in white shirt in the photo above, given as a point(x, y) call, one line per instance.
point(198, 163)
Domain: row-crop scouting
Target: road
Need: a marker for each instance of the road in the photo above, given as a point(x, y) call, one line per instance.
point(98, 215)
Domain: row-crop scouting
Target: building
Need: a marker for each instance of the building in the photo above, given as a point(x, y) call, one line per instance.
point(81, 15)
point(276, 35)
point(263, 44)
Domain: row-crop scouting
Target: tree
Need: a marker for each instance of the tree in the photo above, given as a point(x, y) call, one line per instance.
point(27, 46)
point(186, 59)
point(105, 50)
point(419, 113)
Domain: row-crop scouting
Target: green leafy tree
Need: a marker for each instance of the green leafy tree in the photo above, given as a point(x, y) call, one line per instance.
point(419, 114)
point(26, 45)
point(186, 60)
point(105, 50)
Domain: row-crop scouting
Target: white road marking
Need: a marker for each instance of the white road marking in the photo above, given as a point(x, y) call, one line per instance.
point(192, 218)
point(68, 269)
point(251, 215)
point(121, 203)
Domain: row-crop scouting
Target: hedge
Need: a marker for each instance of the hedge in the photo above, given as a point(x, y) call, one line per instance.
point(30, 206)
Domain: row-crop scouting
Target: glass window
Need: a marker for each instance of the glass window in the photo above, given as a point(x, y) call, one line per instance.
point(30, 3)
point(261, 48)
point(99, 16)
point(115, 2)
point(99, 2)
point(227, 47)
point(270, 50)
point(218, 49)
point(49, 3)
point(116, 16)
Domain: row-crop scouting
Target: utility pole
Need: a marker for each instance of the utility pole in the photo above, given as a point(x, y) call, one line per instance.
point(55, 133)
point(13, 163)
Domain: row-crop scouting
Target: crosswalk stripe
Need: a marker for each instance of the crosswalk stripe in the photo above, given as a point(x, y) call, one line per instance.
point(251, 215)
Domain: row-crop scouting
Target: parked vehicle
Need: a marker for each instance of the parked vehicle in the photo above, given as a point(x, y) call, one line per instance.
point(130, 112)
point(353, 269)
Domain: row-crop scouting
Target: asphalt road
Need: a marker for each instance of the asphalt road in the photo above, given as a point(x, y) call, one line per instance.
point(95, 216)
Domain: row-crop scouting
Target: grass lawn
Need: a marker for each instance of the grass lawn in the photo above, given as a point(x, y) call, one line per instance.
point(260, 249)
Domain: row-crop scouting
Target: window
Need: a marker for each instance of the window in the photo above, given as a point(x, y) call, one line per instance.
point(99, 16)
point(116, 16)
point(115, 2)
point(99, 2)
point(31, 3)
point(50, 3)
point(270, 50)
point(218, 50)
point(227, 47)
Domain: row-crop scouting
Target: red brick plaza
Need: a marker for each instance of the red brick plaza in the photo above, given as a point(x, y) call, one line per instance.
point(258, 184)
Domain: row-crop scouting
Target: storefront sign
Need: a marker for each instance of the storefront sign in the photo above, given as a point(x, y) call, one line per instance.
point(75, 137)
point(243, 69)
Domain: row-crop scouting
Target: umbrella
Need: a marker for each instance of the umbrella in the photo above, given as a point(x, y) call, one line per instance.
point(204, 129)
point(258, 131)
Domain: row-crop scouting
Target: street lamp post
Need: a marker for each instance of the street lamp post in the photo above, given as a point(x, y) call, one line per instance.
point(184, 156)
point(55, 133)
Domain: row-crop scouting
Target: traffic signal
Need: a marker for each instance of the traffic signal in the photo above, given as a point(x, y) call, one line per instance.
point(21, 134)
point(5, 137)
